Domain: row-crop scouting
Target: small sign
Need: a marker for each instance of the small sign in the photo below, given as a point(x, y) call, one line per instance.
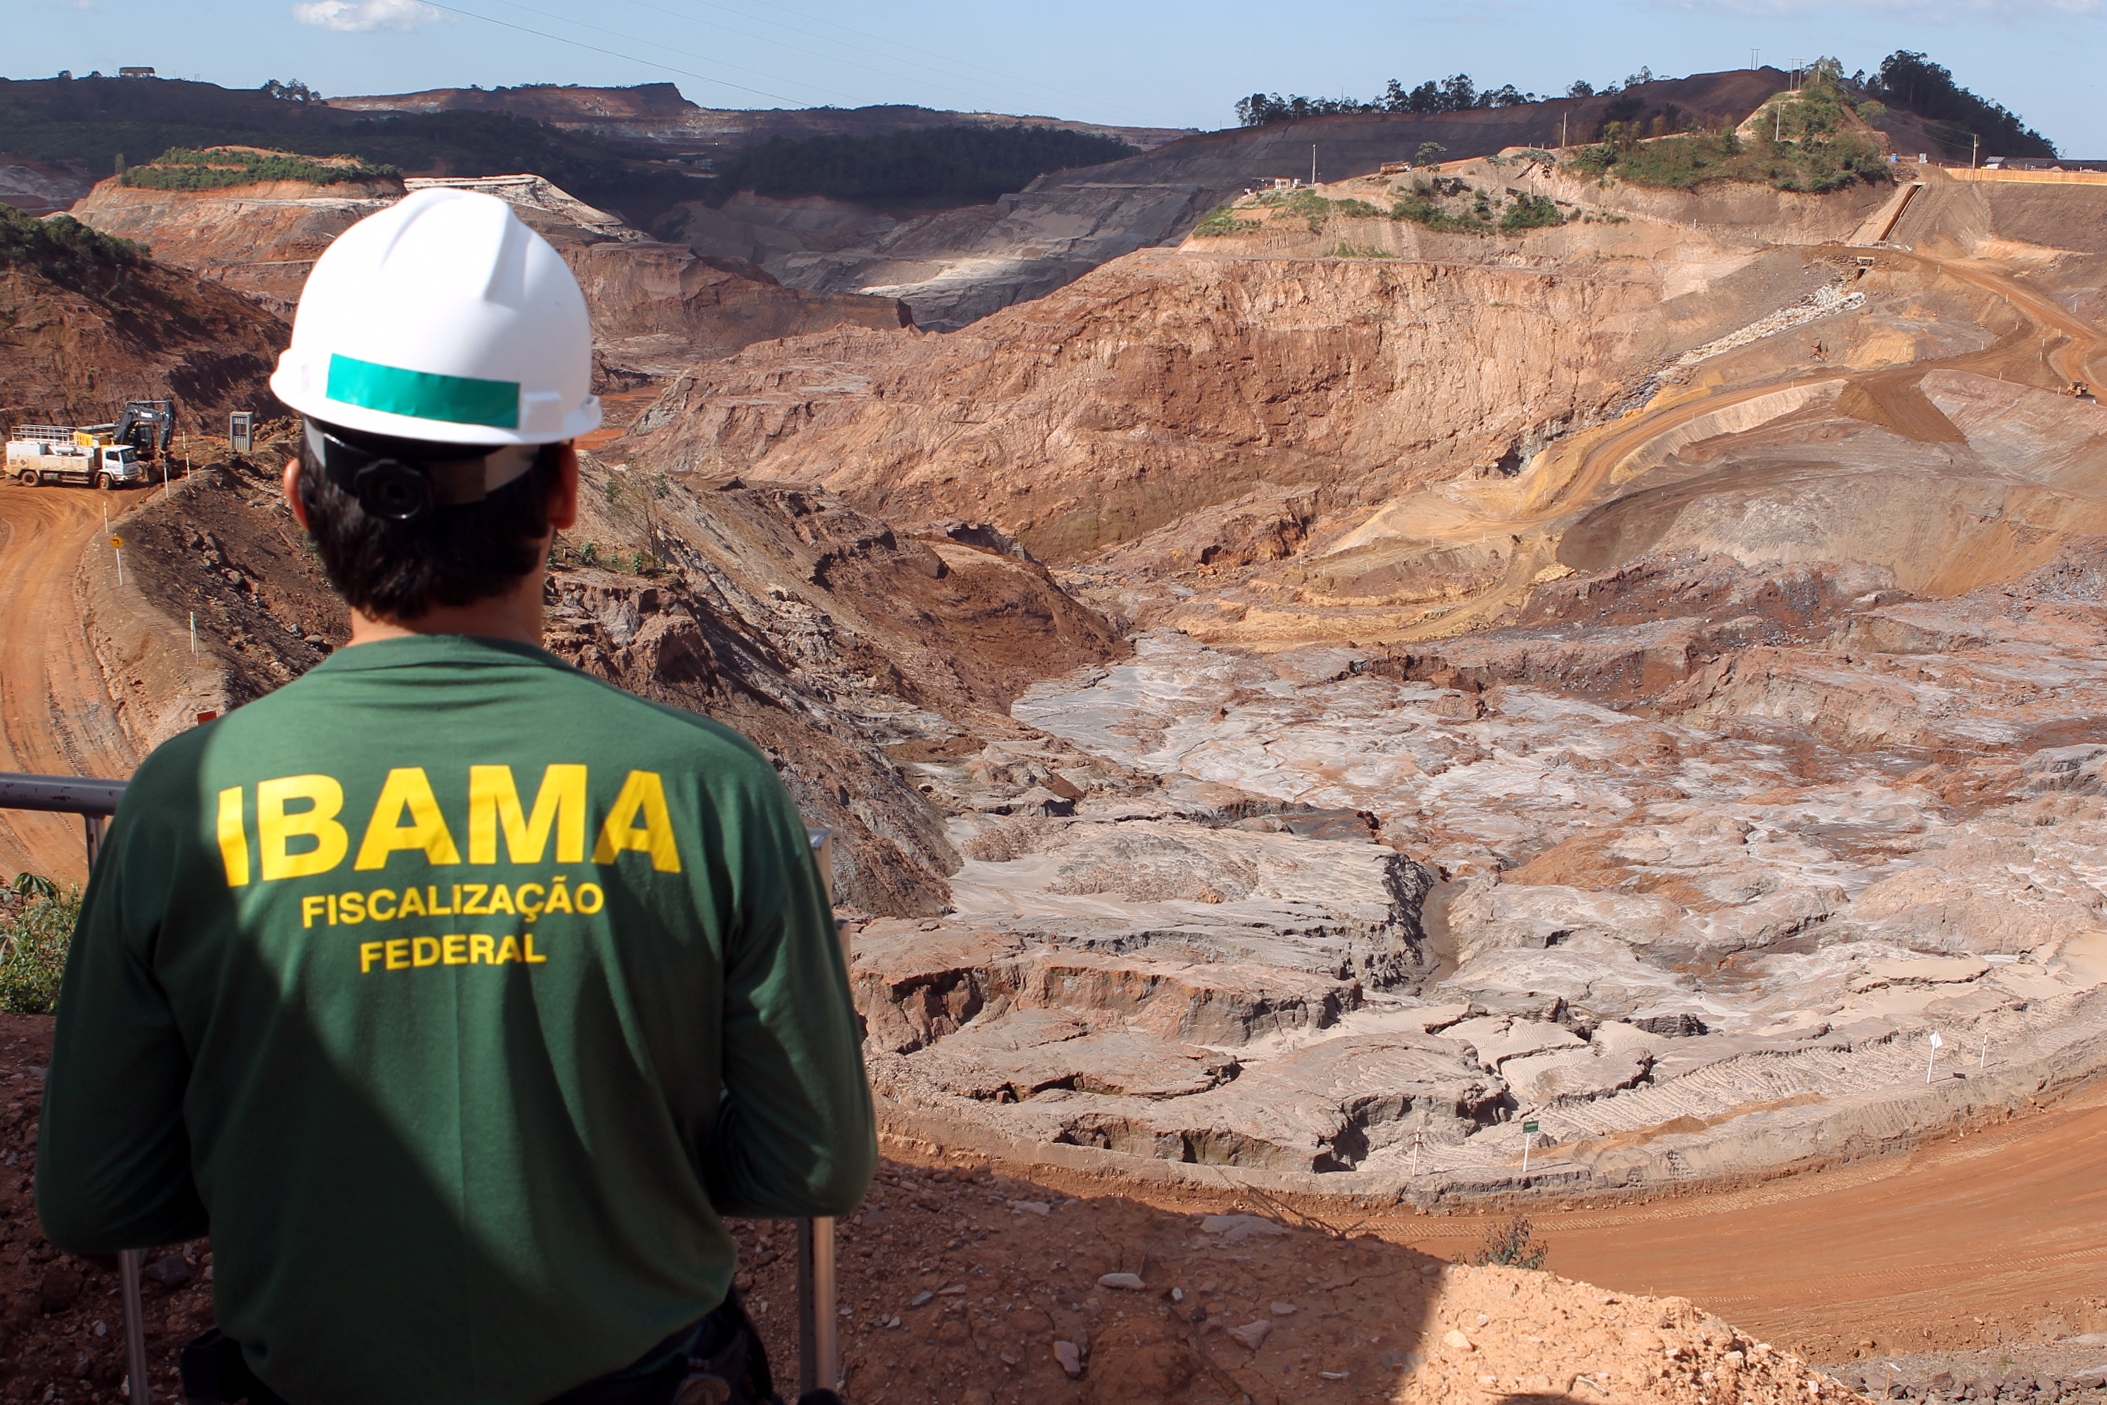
point(1529, 1128)
point(1936, 1042)
point(117, 542)
point(205, 717)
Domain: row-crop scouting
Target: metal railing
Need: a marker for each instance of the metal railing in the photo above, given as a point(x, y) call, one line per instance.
point(819, 1356)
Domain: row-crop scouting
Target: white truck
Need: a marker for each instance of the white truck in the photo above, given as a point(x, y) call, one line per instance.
point(93, 455)
point(50, 453)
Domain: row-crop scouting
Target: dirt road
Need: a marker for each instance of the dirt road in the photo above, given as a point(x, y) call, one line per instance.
point(55, 716)
point(1994, 1235)
point(1978, 1238)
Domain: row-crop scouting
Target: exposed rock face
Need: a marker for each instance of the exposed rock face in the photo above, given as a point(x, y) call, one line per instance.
point(656, 307)
point(957, 266)
point(1170, 383)
point(837, 644)
point(1615, 920)
point(75, 345)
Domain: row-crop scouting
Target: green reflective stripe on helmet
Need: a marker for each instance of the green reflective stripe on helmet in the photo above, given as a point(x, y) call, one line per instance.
point(454, 399)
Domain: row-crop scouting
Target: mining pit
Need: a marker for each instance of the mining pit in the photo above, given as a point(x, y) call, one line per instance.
point(1340, 730)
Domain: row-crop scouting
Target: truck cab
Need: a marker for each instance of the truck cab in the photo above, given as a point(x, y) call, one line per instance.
point(41, 454)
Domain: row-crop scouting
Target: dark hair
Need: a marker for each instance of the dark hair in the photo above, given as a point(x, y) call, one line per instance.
point(453, 555)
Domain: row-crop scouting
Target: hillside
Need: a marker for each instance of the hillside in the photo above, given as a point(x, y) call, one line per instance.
point(87, 321)
point(956, 267)
point(659, 114)
point(656, 307)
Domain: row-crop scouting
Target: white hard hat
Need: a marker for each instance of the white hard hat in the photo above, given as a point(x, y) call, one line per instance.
point(445, 319)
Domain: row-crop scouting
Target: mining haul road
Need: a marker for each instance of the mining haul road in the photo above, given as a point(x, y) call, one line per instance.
point(55, 713)
point(1992, 1234)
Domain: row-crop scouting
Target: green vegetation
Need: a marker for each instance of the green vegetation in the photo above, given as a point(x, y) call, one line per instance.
point(1530, 212)
point(68, 253)
point(1347, 249)
point(953, 165)
point(88, 123)
point(1804, 141)
point(216, 168)
point(1423, 205)
point(1912, 80)
point(1456, 93)
point(36, 928)
point(1222, 220)
point(1509, 1245)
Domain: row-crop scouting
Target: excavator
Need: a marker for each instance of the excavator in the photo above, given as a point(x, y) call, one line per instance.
point(111, 455)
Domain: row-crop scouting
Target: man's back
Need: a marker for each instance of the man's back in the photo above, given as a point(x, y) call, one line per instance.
point(463, 950)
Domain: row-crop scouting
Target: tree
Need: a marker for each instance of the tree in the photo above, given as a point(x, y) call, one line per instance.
point(1458, 93)
point(291, 91)
point(1429, 154)
point(1909, 79)
point(1581, 88)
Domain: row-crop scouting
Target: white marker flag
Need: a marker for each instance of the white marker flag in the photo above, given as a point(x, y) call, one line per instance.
point(1936, 1042)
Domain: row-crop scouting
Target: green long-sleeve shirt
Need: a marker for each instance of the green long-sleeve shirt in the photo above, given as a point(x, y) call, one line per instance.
point(456, 995)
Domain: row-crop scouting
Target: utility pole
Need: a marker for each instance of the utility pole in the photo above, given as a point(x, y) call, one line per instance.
point(1313, 163)
point(1562, 119)
point(1975, 145)
point(1754, 54)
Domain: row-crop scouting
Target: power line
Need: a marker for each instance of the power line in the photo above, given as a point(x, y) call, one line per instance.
point(687, 53)
point(764, 39)
point(595, 48)
point(911, 49)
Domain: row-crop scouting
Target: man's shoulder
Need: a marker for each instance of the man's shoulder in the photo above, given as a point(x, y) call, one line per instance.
point(615, 718)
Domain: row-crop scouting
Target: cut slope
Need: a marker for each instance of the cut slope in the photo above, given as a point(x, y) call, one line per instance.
point(86, 321)
point(1171, 382)
point(656, 307)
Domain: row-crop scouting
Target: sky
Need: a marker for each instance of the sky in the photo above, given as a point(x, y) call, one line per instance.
point(1171, 63)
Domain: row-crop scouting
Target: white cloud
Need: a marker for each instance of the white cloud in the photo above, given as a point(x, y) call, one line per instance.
point(364, 16)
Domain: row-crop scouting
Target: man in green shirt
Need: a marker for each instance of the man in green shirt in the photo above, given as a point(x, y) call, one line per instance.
point(455, 994)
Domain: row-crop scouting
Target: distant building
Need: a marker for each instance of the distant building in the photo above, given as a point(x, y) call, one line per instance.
point(135, 73)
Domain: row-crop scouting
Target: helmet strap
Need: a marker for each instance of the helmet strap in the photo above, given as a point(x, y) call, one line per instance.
point(406, 487)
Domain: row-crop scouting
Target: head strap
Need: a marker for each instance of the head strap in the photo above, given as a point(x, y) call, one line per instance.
point(405, 487)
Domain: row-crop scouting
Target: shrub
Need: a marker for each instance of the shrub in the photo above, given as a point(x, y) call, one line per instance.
point(36, 930)
point(1221, 221)
point(67, 252)
point(218, 167)
point(1531, 212)
point(1423, 206)
point(1509, 1245)
point(1815, 156)
point(1348, 250)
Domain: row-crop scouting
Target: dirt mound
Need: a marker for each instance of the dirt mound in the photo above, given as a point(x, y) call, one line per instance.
point(86, 322)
